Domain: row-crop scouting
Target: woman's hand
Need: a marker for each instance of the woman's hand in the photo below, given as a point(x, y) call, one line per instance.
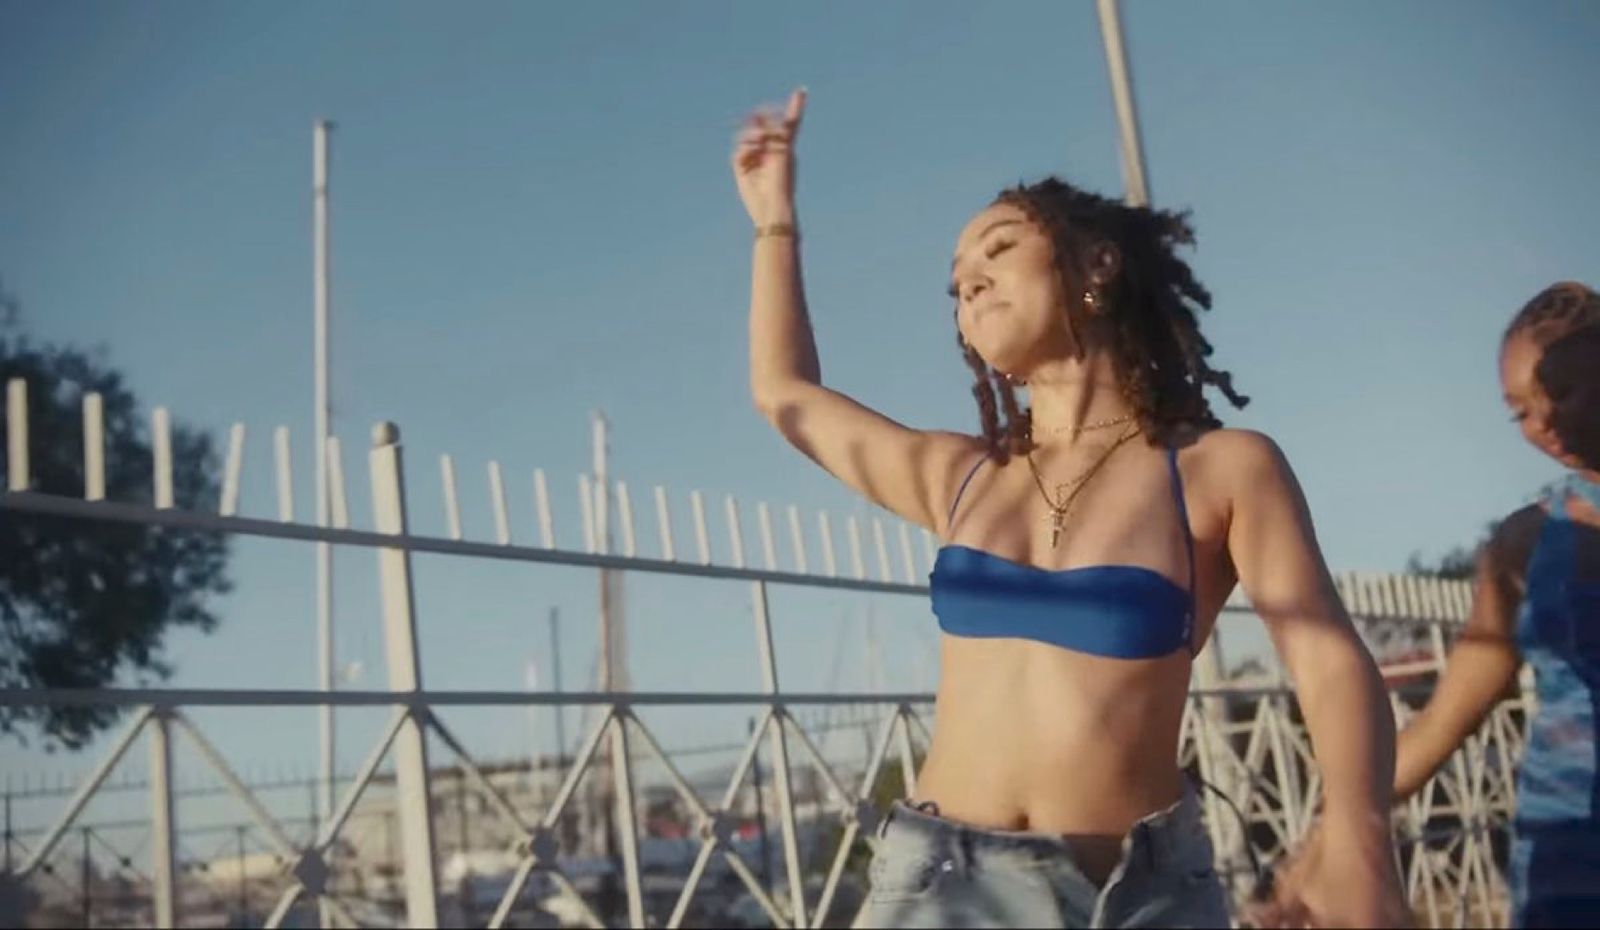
point(1337, 878)
point(763, 161)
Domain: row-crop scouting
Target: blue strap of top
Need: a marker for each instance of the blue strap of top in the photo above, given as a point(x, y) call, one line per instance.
point(1556, 504)
point(963, 489)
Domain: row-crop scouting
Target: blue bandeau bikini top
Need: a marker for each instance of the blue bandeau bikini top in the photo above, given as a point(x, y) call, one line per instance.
point(1117, 611)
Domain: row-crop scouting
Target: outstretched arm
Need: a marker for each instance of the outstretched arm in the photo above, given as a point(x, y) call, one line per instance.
point(910, 472)
point(1483, 662)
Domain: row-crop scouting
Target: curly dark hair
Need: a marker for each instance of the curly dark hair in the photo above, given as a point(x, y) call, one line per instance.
point(1554, 312)
point(1150, 306)
point(1569, 372)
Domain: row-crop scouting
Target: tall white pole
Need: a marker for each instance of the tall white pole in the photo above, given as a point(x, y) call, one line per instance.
point(325, 659)
point(1133, 177)
point(604, 799)
point(602, 535)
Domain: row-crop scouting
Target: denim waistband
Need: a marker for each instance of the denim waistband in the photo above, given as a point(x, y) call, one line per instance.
point(1170, 836)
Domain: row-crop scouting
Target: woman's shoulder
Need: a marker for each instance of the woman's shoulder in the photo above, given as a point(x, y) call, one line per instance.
point(956, 457)
point(1224, 451)
point(1225, 469)
point(959, 447)
point(1524, 522)
point(1512, 540)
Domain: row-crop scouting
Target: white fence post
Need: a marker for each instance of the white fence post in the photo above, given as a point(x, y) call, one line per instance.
point(625, 520)
point(16, 435)
point(413, 791)
point(452, 504)
point(830, 565)
point(163, 822)
point(541, 499)
point(497, 497)
point(883, 550)
point(664, 521)
point(338, 502)
point(586, 499)
point(769, 548)
point(702, 541)
point(229, 505)
point(161, 448)
point(94, 447)
point(280, 448)
point(797, 539)
point(735, 535)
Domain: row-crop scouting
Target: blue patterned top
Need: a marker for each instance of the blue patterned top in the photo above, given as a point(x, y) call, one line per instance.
point(1558, 632)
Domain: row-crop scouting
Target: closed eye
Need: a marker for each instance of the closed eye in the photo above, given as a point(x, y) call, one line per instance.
point(990, 251)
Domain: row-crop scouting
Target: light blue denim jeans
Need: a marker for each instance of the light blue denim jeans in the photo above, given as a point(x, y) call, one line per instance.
point(932, 872)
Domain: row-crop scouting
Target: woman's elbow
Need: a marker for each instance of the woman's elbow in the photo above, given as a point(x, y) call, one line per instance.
point(775, 400)
point(766, 400)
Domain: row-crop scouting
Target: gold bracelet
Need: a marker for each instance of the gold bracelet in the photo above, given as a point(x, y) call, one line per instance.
point(778, 230)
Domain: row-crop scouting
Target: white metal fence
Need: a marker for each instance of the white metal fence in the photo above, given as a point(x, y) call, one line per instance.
point(1243, 736)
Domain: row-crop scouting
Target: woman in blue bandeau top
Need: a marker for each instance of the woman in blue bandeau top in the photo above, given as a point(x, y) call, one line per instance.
point(1537, 600)
point(1091, 537)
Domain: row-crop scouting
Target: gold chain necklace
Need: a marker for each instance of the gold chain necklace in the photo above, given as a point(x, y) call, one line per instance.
point(1068, 491)
point(1087, 427)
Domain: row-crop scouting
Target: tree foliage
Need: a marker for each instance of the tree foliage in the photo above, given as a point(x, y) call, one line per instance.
point(84, 603)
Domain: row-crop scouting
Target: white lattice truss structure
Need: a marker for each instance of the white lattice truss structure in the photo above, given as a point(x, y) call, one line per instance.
point(1244, 737)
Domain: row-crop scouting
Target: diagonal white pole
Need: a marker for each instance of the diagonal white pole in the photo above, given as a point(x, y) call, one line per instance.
point(1133, 179)
point(413, 793)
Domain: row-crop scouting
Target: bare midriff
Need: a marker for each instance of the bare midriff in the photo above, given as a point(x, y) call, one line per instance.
point(1030, 736)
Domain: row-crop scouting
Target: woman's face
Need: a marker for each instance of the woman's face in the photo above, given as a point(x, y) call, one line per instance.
point(1530, 405)
point(1009, 303)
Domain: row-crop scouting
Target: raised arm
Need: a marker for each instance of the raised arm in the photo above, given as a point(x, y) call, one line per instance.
point(910, 472)
point(1274, 550)
point(1483, 661)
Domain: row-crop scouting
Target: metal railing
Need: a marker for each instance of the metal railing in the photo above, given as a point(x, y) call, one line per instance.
point(1244, 737)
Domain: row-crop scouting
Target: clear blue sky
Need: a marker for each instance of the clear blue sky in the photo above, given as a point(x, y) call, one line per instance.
point(533, 217)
